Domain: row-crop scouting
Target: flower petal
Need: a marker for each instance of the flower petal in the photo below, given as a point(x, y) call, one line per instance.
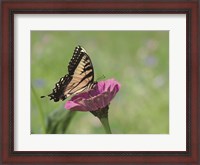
point(97, 98)
point(74, 106)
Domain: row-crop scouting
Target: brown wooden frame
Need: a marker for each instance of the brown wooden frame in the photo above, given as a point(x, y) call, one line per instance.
point(11, 7)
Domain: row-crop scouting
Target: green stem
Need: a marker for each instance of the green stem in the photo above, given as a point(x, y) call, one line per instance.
point(106, 125)
point(102, 114)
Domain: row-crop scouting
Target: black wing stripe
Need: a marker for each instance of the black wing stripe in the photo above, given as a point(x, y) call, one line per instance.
point(87, 68)
point(87, 76)
point(76, 58)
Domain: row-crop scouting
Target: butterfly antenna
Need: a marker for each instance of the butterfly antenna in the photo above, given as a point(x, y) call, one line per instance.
point(42, 96)
point(101, 77)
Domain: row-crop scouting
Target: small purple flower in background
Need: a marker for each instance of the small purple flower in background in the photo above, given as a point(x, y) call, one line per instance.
point(96, 100)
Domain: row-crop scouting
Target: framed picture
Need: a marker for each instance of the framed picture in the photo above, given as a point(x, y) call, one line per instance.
point(100, 82)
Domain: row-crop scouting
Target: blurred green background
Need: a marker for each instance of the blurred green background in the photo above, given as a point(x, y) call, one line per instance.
point(139, 60)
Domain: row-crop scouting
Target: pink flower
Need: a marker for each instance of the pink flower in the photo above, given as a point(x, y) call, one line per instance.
point(97, 98)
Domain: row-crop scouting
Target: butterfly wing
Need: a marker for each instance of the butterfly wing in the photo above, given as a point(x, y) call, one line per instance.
point(80, 77)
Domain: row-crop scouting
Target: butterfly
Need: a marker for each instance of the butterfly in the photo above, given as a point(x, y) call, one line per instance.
point(80, 77)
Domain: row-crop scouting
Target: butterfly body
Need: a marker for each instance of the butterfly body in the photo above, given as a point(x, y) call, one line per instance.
point(79, 78)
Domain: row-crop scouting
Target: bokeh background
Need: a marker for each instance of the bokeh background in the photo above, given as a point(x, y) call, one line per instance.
point(139, 60)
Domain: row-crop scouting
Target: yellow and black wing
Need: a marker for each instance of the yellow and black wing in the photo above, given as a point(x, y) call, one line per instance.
point(79, 78)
